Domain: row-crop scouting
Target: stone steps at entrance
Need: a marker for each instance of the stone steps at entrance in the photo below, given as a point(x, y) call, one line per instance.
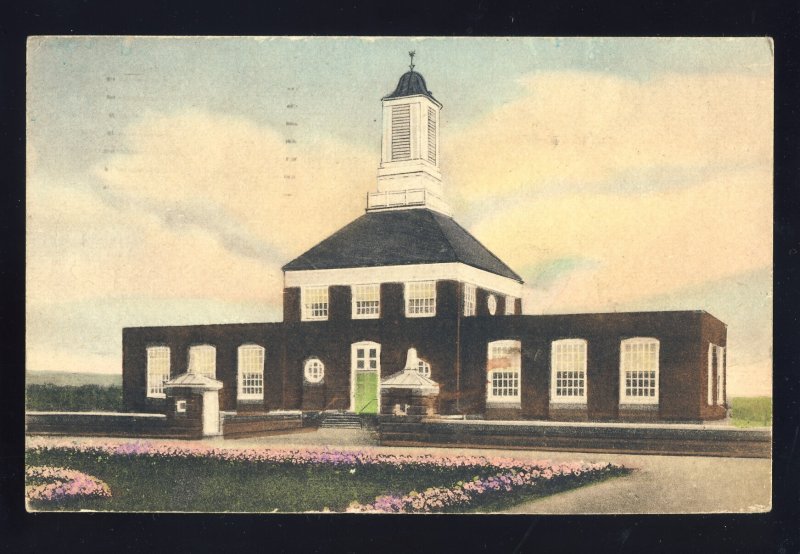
point(342, 421)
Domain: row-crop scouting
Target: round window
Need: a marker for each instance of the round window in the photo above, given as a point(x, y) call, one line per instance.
point(314, 370)
point(491, 303)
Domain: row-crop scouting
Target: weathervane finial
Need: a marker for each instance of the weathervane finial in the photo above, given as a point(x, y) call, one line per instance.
point(412, 54)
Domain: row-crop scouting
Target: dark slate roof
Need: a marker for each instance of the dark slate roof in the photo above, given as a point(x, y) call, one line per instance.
point(411, 83)
point(400, 237)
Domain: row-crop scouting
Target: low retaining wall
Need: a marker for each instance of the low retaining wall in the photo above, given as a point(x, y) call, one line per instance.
point(250, 425)
point(666, 439)
point(107, 424)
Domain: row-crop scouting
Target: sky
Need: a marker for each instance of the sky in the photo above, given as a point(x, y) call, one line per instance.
point(169, 179)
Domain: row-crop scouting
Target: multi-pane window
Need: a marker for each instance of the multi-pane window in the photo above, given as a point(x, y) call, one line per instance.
point(503, 367)
point(401, 132)
point(421, 298)
point(314, 370)
point(431, 135)
point(203, 360)
point(251, 372)
point(470, 293)
point(366, 356)
point(423, 367)
point(510, 305)
point(315, 303)
point(568, 371)
point(157, 370)
point(366, 301)
point(721, 376)
point(716, 374)
point(639, 371)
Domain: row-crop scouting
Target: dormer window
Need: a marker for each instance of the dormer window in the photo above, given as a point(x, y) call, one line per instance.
point(314, 302)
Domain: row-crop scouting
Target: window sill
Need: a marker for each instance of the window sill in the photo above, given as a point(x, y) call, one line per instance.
point(512, 404)
point(568, 406)
point(253, 400)
point(638, 407)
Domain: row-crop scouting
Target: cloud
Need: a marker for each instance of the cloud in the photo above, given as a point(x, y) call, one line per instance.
point(242, 182)
point(601, 189)
point(592, 128)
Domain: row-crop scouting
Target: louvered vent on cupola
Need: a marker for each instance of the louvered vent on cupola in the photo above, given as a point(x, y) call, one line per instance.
point(401, 133)
point(431, 135)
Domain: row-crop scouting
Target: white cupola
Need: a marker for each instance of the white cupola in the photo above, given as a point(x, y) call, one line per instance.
point(409, 176)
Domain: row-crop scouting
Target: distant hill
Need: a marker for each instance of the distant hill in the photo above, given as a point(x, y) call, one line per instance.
point(73, 379)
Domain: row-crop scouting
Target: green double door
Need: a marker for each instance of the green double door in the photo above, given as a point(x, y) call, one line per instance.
point(366, 370)
point(366, 394)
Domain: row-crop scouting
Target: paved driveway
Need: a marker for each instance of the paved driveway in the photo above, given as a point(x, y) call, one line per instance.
point(660, 484)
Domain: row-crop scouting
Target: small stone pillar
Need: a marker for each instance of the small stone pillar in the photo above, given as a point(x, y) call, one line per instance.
point(192, 404)
point(408, 392)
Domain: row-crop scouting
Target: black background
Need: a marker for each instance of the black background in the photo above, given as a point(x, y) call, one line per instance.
point(778, 531)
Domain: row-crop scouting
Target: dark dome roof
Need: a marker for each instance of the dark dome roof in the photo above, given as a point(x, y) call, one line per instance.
point(411, 83)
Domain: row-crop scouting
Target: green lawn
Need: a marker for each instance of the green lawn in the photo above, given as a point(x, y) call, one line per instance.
point(145, 483)
point(753, 411)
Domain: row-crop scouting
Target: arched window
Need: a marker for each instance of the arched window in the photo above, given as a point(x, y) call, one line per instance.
point(423, 367)
point(503, 368)
point(157, 370)
point(638, 371)
point(251, 372)
point(203, 360)
point(314, 370)
point(568, 371)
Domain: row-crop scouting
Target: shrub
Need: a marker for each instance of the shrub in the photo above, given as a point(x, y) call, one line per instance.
point(85, 398)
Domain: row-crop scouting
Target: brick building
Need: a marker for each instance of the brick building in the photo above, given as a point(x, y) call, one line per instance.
point(405, 275)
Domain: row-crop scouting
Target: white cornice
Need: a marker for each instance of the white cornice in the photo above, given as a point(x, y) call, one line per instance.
point(454, 271)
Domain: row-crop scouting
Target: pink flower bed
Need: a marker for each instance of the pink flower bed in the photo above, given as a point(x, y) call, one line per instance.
point(493, 475)
point(62, 484)
point(465, 493)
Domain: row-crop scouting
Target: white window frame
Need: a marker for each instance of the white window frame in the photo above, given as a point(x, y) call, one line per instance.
point(311, 300)
point(156, 379)
point(513, 371)
point(569, 356)
point(313, 370)
point(369, 297)
point(491, 304)
point(511, 305)
point(626, 360)
point(423, 367)
point(250, 371)
point(414, 292)
point(470, 299)
point(200, 355)
point(721, 366)
point(180, 406)
point(710, 374)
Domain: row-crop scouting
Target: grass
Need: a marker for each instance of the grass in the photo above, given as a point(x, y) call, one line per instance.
point(152, 484)
point(751, 411)
point(85, 398)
